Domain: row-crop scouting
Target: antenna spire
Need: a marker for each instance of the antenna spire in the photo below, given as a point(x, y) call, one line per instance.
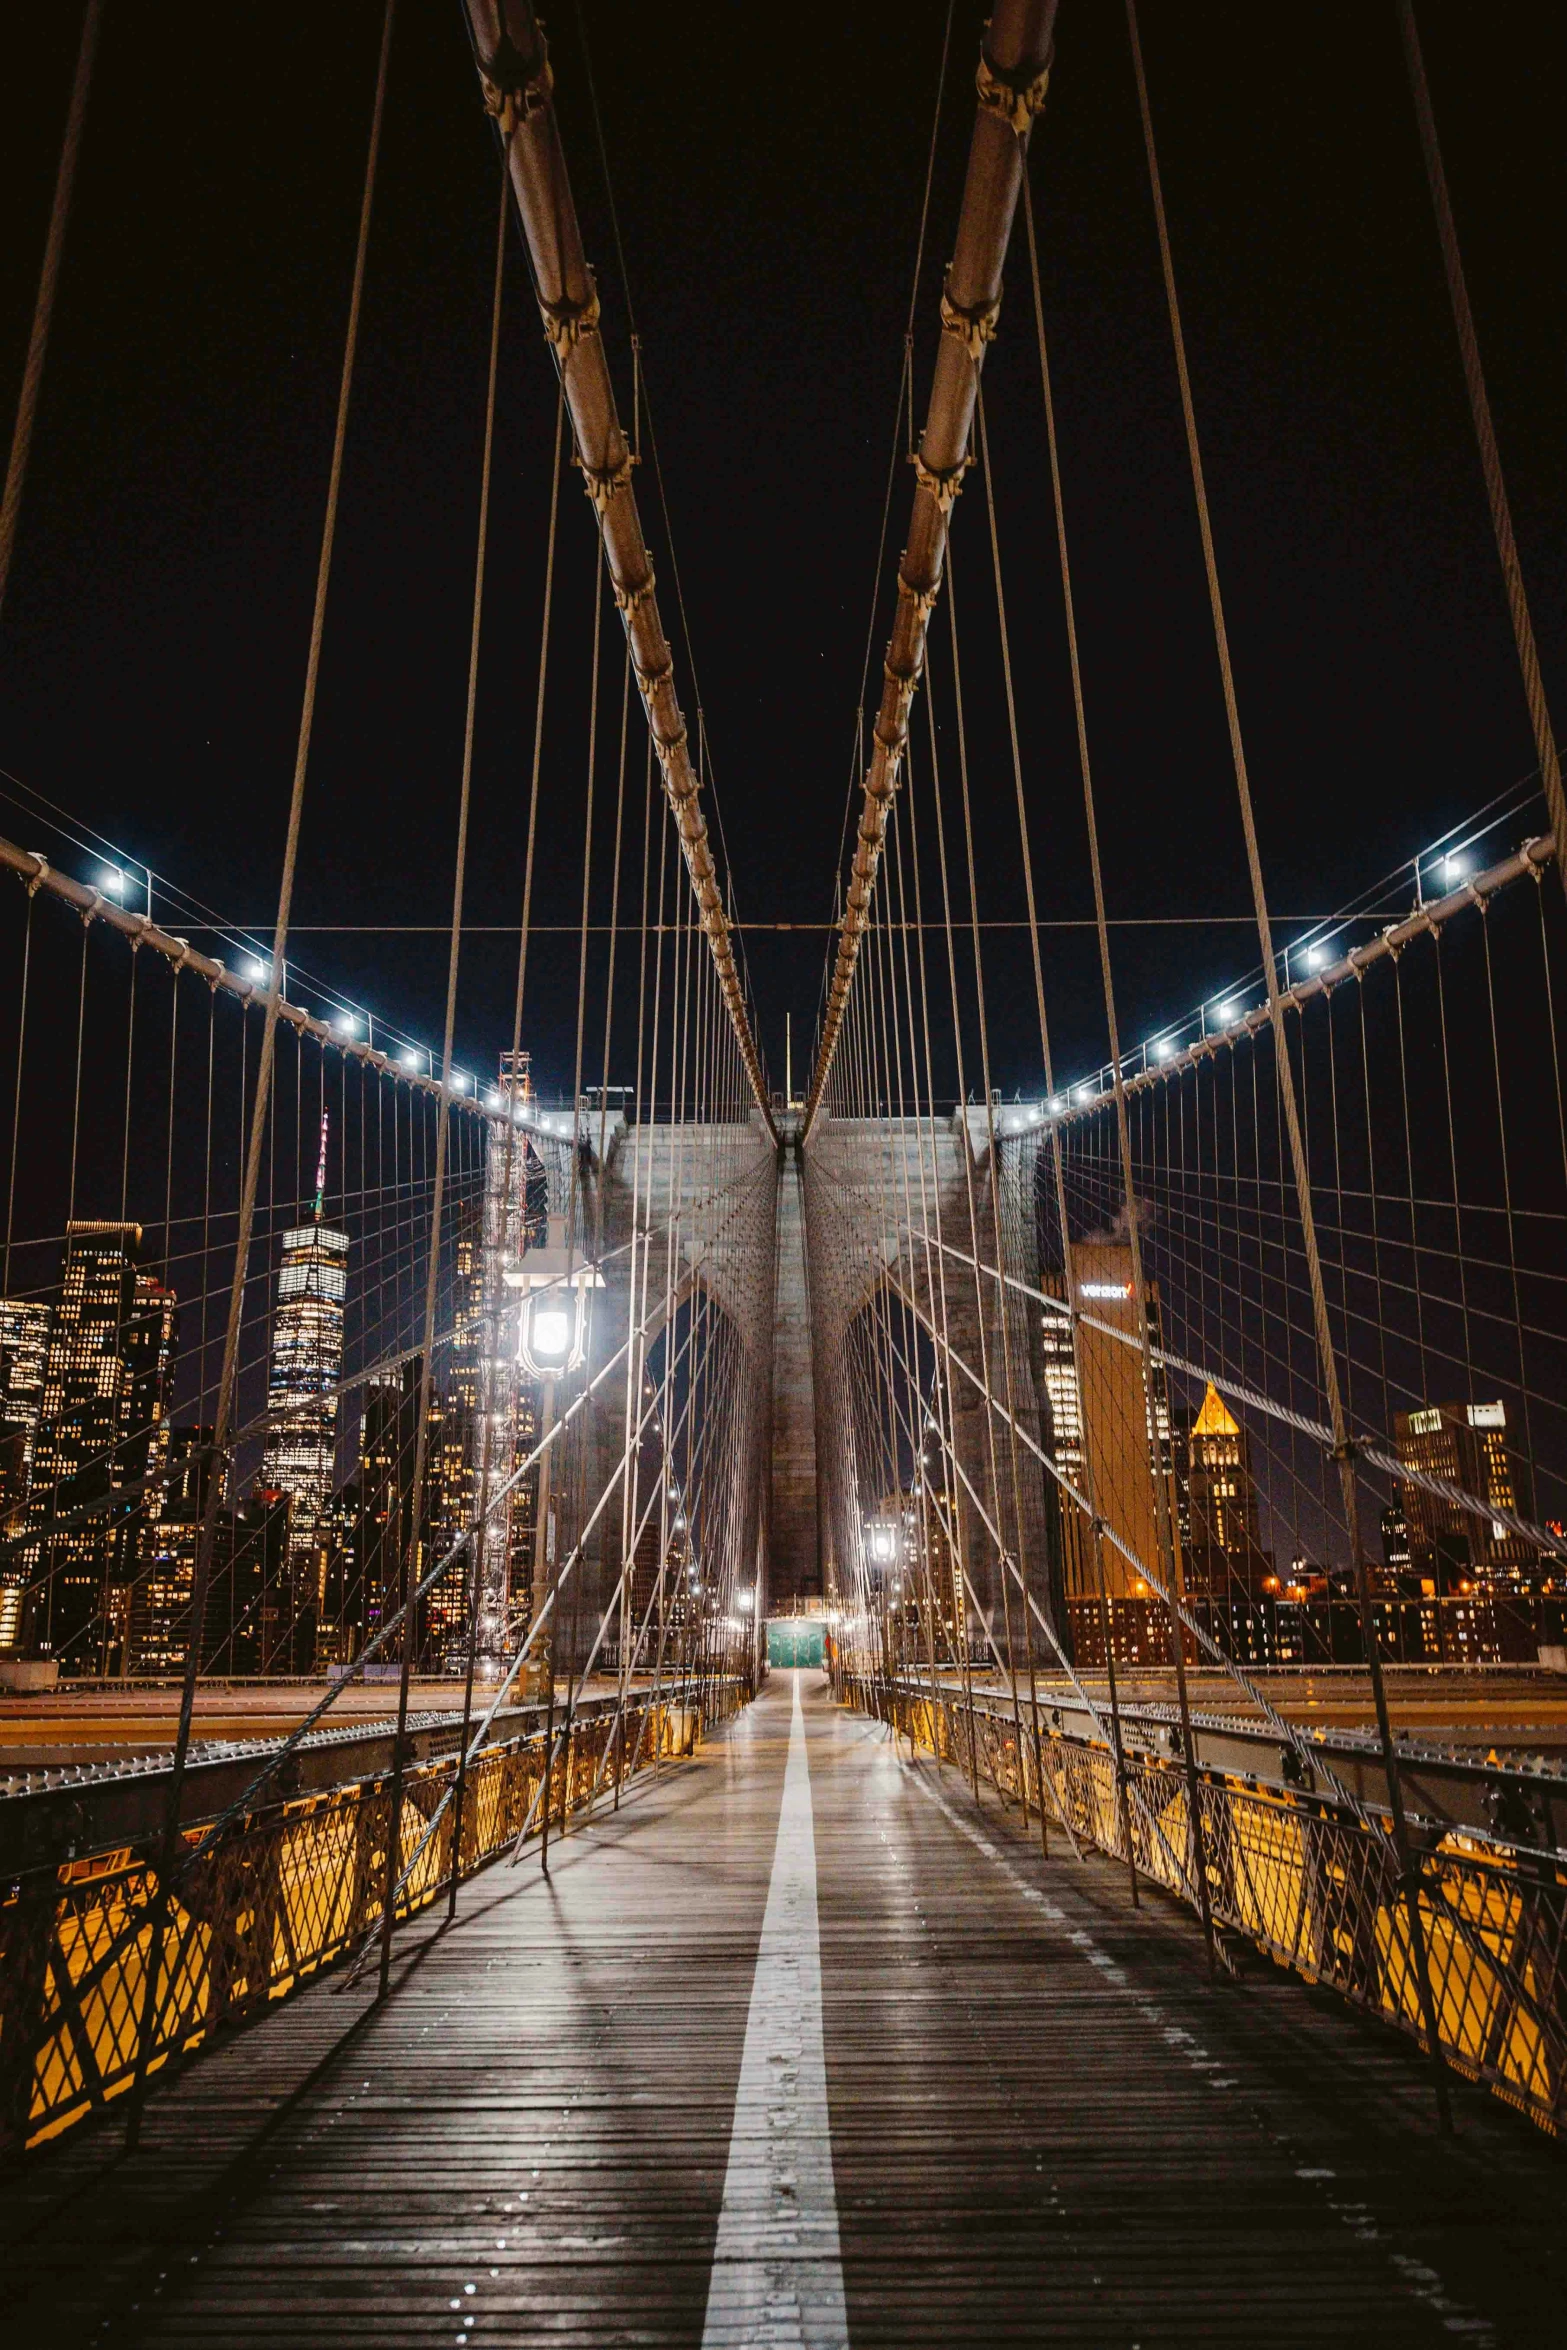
point(321, 1172)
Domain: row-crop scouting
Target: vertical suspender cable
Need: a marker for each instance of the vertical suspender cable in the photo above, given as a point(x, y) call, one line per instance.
point(1164, 1516)
point(16, 1105)
point(1014, 72)
point(443, 1122)
point(258, 1121)
point(1344, 1450)
point(573, 1189)
point(432, 1270)
point(994, 1187)
point(1068, 1278)
point(517, 81)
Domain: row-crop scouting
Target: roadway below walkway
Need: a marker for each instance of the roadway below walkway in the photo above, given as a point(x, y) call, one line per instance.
point(800, 2048)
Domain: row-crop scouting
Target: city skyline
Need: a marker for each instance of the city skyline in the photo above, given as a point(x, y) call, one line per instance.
point(305, 1558)
point(108, 1592)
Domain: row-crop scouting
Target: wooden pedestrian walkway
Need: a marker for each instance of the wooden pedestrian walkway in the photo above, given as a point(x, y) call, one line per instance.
point(799, 2048)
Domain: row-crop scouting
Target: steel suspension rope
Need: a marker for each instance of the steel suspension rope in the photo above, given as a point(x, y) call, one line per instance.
point(443, 1118)
point(1014, 70)
point(48, 284)
point(574, 1187)
point(991, 1162)
point(258, 1120)
point(1164, 1514)
point(516, 81)
point(1344, 1450)
point(1485, 435)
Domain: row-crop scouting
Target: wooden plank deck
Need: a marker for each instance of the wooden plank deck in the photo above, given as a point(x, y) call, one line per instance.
point(1046, 2124)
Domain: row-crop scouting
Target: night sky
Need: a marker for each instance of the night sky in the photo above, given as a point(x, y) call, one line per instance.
point(768, 178)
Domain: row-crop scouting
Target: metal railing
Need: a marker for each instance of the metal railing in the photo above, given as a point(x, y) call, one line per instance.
point(1311, 1881)
point(287, 1890)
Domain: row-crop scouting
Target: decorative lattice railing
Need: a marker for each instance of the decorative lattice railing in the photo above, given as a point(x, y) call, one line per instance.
point(283, 1893)
point(1312, 1882)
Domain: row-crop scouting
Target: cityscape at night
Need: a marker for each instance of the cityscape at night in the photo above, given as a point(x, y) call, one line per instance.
point(783, 1113)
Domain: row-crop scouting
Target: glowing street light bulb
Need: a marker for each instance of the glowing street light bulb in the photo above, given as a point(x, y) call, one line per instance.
point(550, 1332)
point(112, 882)
point(1084, 1093)
point(1229, 1012)
point(346, 1025)
point(1164, 1050)
point(1454, 867)
point(256, 969)
point(557, 1283)
point(1316, 957)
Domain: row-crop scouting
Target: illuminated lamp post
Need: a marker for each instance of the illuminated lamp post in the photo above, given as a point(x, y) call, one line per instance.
point(553, 1329)
point(881, 1540)
point(881, 1543)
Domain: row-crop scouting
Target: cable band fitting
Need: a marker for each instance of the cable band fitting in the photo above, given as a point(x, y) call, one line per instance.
point(1011, 99)
point(514, 87)
point(944, 485)
point(973, 327)
point(629, 598)
point(565, 323)
point(604, 482)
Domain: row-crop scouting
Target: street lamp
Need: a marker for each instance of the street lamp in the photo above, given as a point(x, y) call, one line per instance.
point(557, 1283)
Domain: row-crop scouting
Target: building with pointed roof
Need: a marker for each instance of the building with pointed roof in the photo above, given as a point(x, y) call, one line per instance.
point(1222, 1536)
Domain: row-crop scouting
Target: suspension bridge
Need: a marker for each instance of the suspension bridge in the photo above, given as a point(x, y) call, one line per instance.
point(639, 1703)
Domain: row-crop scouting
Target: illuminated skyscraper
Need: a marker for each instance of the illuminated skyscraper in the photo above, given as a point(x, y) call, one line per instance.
point(1465, 1444)
point(24, 1357)
point(161, 1599)
point(340, 1621)
point(451, 1454)
point(102, 1434)
point(307, 1364)
point(1221, 1537)
point(448, 1503)
point(1099, 1422)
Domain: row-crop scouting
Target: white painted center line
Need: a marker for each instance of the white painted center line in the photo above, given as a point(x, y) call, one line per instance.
point(777, 2267)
